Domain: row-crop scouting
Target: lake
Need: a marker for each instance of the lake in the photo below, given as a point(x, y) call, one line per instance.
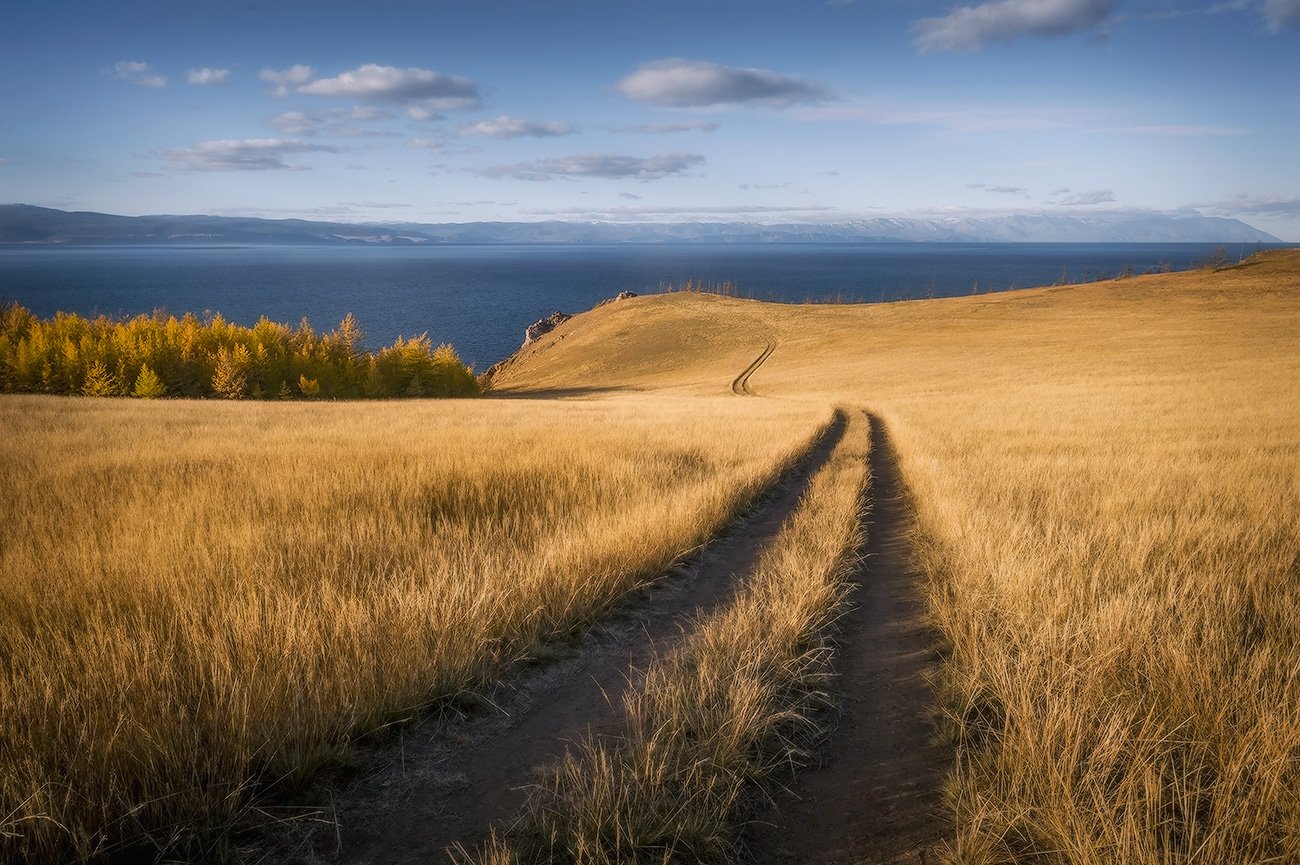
point(480, 298)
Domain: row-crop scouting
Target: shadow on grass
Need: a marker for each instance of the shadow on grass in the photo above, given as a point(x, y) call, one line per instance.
point(558, 392)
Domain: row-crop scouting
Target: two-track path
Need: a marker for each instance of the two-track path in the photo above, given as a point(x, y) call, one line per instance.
point(448, 787)
point(740, 384)
point(876, 797)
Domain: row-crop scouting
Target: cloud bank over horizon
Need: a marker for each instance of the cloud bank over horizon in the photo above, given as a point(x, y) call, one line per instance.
point(681, 108)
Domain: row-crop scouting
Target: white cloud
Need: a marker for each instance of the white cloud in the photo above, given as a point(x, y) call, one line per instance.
point(206, 77)
point(513, 127)
point(422, 90)
point(668, 128)
point(247, 154)
point(282, 81)
point(137, 72)
point(681, 83)
point(970, 28)
point(606, 166)
point(1100, 196)
point(1007, 190)
point(1281, 13)
point(333, 123)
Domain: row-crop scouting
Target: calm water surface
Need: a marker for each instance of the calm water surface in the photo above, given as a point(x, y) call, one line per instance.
point(480, 298)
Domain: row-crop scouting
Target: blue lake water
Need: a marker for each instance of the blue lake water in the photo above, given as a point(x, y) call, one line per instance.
point(480, 298)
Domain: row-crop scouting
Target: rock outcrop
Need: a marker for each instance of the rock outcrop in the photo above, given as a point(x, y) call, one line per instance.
point(541, 327)
point(622, 295)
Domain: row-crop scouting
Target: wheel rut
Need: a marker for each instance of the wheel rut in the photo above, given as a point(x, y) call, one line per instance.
point(877, 795)
point(446, 783)
point(740, 385)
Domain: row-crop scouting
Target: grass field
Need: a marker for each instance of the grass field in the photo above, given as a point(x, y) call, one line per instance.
point(1108, 482)
point(715, 715)
point(197, 597)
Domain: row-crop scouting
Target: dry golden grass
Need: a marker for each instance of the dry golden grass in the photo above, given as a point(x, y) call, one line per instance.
point(713, 716)
point(1108, 483)
point(195, 598)
point(198, 599)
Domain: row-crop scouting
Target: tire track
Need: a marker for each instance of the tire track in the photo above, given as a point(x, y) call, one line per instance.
point(740, 385)
point(452, 781)
point(877, 797)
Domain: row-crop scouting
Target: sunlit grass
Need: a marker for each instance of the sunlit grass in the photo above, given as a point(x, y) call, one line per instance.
point(1108, 486)
point(198, 599)
point(715, 715)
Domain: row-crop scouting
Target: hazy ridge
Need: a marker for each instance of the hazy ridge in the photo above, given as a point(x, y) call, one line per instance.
point(29, 225)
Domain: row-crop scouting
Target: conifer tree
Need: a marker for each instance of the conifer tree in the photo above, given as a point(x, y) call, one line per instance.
point(98, 381)
point(230, 377)
point(148, 385)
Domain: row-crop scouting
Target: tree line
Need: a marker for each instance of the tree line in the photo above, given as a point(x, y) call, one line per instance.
point(161, 355)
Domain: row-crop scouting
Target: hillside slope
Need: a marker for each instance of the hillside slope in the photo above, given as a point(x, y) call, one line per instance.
point(1170, 323)
point(1106, 483)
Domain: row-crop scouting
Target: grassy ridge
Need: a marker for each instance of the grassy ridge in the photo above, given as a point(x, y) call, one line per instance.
point(198, 599)
point(715, 715)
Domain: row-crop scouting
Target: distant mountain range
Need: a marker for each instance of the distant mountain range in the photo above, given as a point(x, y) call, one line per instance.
point(28, 225)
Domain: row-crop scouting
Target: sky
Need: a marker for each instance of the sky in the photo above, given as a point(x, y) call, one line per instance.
point(666, 111)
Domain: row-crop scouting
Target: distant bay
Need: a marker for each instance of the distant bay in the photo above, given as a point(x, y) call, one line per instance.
point(481, 297)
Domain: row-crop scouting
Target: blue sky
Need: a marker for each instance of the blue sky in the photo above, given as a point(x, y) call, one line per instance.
point(764, 110)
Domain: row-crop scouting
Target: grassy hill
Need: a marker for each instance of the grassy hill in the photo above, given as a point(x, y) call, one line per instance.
point(1108, 487)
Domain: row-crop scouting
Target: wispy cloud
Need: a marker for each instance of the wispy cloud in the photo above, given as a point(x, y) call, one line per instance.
point(1180, 130)
point(637, 212)
point(678, 83)
point(377, 205)
point(1079, 199)
point(1006, 190)
point(668, 128)
point(137, 72)
point(332, 123)
point(1281, 13)
point(283, 81)
point(606, 166)
point(970, 28)
point(1287, 206)
point(247, 154)
point(513, 127)
point(964, 119)
point(631, 196)
point(207, 77)
point(433, 145)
